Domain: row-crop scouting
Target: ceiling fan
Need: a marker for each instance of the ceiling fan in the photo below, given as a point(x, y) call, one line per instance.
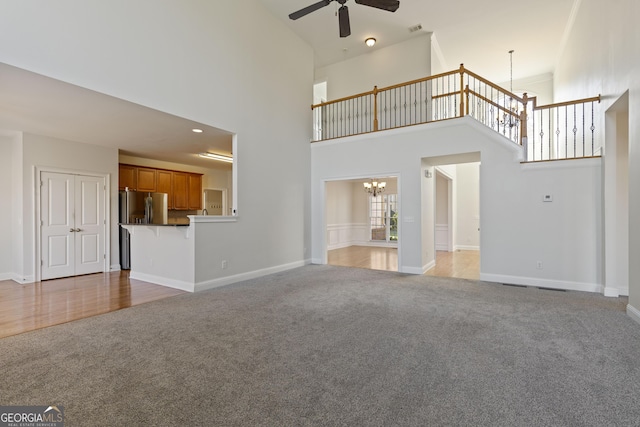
point(343, 11)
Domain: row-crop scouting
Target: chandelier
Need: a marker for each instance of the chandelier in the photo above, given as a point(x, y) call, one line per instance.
point(374, 187)
point(508, 119)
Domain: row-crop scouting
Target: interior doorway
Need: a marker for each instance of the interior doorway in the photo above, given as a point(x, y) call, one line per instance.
point(451, 215)
point(362, 228)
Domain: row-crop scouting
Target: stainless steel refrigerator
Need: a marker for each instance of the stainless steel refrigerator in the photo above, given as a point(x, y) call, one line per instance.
point(137, 207)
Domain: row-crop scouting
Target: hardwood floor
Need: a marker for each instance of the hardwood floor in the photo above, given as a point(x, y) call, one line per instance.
point(39, 305)
point(372, 257)
point(462, 264)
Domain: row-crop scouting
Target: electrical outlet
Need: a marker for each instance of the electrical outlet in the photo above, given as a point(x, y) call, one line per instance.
point(224, 264)
point(539, 265)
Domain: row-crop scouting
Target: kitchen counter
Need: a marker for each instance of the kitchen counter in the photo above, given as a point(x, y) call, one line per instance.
point(170, 254)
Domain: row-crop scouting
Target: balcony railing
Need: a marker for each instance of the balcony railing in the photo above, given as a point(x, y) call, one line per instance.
point(556, 131)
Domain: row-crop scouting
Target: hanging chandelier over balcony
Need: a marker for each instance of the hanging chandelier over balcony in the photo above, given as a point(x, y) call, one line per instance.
point(374, 187)
point(511, 116)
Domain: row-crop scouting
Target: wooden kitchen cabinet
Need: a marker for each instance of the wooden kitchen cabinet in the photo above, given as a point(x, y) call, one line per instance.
point(180, 191)
point(184, 189)
point(164, 180)
point(195, 191)
point(127, 177)
point(146, 178)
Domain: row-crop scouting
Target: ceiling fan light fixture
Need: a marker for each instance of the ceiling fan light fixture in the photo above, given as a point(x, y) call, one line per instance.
point(370, 42)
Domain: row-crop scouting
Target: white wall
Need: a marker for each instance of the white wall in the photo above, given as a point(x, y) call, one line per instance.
point(44, 152)
point(6, 213)
point(194, 59)
point(517, 228)
point(602, 56)
point(442, 200)
point(388, 66)
point(540, 86)
point(467, 214)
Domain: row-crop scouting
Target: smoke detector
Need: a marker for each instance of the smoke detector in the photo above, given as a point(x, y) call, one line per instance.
point(415, 28)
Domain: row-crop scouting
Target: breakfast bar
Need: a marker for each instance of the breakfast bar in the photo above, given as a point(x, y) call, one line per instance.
point(165, 254)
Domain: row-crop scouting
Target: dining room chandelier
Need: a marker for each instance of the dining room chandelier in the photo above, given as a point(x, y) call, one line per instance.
point(374, 187)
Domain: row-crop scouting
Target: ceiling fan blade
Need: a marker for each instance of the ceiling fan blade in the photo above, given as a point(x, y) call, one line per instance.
point(343, 18)
point(388, 5)
point(307, 10)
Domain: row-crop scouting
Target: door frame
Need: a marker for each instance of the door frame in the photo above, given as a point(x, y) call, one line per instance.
point(37, 178)
point(450, 182)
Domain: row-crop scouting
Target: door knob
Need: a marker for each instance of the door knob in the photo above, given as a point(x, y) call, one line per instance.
point(73, 230)
point(78, 230)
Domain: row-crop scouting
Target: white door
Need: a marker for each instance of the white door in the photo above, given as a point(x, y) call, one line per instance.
point(72, 227)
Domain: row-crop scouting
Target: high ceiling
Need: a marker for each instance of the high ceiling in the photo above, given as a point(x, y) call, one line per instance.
point(476, 33)
point(40, 105)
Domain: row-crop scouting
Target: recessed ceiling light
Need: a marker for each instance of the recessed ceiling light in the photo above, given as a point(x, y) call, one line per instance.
point(197, 130)
point(370, 42)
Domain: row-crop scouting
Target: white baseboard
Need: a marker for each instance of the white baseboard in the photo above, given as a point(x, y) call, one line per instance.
point(6, 276)
point(610, 291)
point(21, 280)
point(428, 266)
point(466, 248)
point(339, 246)
point(374, 244)
point(114, 267)
point(633, 312)
point(544, 283)
point(224, 281)
point(170, 283)
point(418, 270)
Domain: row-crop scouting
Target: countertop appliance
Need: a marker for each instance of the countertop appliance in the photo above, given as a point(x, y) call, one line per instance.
point(139, 207)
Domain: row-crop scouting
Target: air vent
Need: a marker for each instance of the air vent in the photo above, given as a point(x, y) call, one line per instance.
point(415, 28)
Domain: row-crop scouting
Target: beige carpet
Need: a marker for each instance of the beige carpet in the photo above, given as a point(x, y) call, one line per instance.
point(324, 345)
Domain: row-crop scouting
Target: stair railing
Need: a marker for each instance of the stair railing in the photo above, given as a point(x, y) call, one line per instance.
point(555, 131)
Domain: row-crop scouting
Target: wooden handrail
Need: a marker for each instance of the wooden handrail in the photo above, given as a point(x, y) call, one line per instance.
point(495, 104)
point(493, 85)
point(446, 82)
point(378, 90)
point(346, 98)
point(421, 80)
point(564, 104)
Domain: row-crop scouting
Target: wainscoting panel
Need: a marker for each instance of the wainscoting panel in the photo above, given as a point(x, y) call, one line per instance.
point(442, 237)
point(344, 235)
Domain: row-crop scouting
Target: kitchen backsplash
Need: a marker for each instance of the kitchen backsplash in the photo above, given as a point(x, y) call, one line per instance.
point(180, 217)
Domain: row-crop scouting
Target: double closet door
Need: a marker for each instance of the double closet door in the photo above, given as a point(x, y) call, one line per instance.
point(72, 224)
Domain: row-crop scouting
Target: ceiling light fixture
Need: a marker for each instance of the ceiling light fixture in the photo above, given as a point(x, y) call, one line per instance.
point(374, 187)
point(370, 42)
point(218, 157)
point(196, 130)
